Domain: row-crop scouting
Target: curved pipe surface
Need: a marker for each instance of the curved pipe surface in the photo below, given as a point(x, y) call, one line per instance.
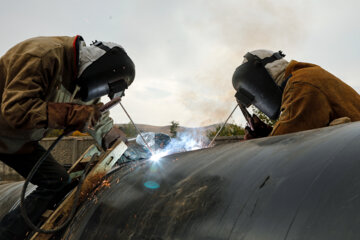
point(297, 186)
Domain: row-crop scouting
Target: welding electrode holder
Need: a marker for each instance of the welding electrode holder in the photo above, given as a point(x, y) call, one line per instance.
point(112, 103)
point(256, 128)
point(249, 119)
point(116, 99)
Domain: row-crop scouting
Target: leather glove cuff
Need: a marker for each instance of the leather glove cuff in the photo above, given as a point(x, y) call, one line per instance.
point(72, 116)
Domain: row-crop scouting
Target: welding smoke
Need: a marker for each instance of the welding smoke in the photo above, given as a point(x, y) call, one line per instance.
point(236, 28)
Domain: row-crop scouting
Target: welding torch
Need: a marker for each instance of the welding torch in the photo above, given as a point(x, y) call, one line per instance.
point(249, 119)
point(256, 128)
point(117, 100)
point(107, 106)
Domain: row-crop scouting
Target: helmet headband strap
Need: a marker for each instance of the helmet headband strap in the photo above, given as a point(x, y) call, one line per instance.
point(276, 56)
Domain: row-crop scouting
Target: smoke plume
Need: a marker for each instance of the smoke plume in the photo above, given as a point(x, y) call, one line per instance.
point(236, 28)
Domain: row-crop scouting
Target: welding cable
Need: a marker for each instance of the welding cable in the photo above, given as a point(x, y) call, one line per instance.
point(30, 176)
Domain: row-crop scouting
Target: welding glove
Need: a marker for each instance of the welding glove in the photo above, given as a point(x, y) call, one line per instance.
point(110, 138)
point(261, 129)
point(72, 117)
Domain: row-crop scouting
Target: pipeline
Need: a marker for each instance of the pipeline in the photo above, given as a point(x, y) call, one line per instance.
point(297, 186)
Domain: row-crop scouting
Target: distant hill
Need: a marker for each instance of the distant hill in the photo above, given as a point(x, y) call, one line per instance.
point(166, 129)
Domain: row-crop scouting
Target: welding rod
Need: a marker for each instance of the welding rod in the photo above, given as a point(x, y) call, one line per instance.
point(137, 129)
point(223, 125)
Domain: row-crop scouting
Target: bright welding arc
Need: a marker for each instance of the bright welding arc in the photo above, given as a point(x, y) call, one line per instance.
point(147, 145)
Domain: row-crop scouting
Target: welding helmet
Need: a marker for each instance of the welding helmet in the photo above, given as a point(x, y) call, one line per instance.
point(104, 68)
point(255, 85)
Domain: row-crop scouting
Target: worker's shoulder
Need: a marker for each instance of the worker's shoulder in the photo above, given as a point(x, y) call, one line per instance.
point(309, 74)
point(42, 46)
point(301, 71)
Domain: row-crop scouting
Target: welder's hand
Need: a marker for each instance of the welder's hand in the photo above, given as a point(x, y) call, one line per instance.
point(110, 138)
point(72, 117)
point(261, 129)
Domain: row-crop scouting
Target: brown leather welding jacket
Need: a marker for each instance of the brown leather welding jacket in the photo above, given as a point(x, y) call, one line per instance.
point(312, 98)
point(32, 73)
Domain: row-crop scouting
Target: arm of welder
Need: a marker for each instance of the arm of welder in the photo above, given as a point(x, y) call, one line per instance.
point(304, 107)
point(22, 103)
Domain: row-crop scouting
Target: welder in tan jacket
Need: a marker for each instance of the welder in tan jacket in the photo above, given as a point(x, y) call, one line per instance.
point(301, 96)
point(54, 83)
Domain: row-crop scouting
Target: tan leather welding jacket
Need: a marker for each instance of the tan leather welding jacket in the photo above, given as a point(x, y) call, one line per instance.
point(32, 73)
point(313, 98)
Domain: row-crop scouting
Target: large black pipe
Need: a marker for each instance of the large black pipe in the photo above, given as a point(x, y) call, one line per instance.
point(10, 195)
point(298, 186)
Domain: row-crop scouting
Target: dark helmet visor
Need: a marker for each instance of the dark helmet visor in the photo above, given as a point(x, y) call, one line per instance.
point(254, 85)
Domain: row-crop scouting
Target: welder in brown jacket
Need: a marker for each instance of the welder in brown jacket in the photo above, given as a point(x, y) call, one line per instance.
point(301, 96)
point(54, 83)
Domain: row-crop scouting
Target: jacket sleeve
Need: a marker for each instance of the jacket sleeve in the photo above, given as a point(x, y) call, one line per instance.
point(304, 107)
point(23, 105)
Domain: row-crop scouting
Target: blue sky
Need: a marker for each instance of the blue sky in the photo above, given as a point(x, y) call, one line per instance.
point(186, 51)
